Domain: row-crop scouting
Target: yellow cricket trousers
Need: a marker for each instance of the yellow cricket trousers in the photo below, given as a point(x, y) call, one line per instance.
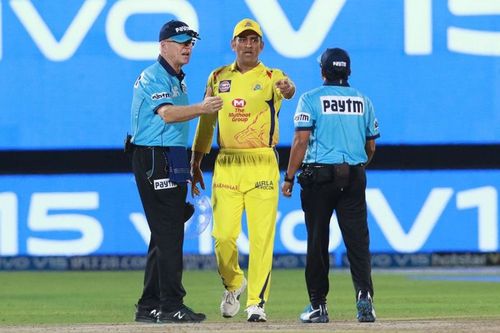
point(245, 179)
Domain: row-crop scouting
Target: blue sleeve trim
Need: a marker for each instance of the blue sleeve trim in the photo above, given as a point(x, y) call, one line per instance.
point(373, 137)
point(159, 106)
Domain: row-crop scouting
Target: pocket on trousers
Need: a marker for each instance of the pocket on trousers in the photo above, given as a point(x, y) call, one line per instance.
point(305, 178)
point(323, 174)
point(341, 175)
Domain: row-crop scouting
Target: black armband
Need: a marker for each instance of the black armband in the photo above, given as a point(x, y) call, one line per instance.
point(289, 180)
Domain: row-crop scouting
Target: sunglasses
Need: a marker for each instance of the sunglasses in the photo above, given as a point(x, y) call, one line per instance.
point(190, 42)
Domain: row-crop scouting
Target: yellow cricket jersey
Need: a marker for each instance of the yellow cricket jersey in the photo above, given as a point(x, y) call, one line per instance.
point(249, 116)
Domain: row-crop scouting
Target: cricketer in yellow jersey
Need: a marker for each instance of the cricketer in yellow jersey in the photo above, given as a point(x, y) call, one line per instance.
point(246, 173)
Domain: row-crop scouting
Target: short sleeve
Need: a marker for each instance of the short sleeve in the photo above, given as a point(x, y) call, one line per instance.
point(372, 129)
point(304, 116)
point(157, 91)
point(210, 83)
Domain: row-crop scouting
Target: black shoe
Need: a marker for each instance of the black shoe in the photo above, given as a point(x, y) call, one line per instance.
point(315, 315)
point(182, 315)
point(364, 305)
point(188, 211)
point(145, 314)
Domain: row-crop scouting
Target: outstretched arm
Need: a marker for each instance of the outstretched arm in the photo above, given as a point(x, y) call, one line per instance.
point(177, 113)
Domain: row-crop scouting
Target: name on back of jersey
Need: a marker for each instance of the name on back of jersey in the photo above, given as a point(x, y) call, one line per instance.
point(345, 105)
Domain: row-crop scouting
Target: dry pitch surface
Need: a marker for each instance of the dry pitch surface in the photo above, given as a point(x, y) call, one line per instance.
point(427, 326)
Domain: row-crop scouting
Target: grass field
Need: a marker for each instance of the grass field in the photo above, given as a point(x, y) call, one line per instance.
point(33, 298)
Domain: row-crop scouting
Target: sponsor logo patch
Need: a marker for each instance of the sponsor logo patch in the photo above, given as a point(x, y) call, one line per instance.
point(239, 103)
point(183, 28)
point(339, 64)
point(160, 95)
point(301, 117)
point(264, 185)
point(224, 86)
point(163, 184)
point(226, 186)
point(257, 86)
point(239, 113)
point(345, 105)
point(239, 116)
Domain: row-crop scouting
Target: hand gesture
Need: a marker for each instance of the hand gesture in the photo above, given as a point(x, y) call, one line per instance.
point(211, 104)
point(197, 178)
point(285, 87)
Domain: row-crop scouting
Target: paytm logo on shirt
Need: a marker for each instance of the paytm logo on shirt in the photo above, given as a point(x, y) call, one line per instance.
point(349, 105)
point(160, 95)
point(301, 117)
point(163, 184)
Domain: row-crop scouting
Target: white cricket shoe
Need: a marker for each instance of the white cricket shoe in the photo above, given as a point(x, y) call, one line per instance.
point(256, 313)
point(230, 304)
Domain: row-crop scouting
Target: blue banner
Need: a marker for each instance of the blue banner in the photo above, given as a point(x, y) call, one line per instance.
point(67, 67)
point(408, 212)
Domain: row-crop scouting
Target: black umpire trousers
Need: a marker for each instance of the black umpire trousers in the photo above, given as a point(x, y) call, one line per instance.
point(319, 200)
point(163, 205)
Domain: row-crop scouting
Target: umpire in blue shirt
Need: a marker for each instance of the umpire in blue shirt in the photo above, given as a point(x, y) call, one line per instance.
point(335, 132)
point(159, 136)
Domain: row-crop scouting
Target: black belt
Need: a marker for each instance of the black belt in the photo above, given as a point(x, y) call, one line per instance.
point(149, 147)
point(325, 165)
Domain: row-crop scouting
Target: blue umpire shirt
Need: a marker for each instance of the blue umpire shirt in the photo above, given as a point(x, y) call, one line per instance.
point(340, 119)
point(156, 86)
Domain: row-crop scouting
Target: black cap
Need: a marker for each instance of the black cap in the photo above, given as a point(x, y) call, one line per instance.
point(177, 31)
point(336, 60)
